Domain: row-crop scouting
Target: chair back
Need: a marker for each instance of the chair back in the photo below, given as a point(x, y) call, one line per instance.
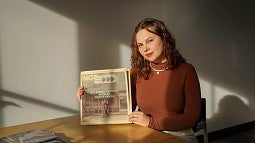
point(201, 128)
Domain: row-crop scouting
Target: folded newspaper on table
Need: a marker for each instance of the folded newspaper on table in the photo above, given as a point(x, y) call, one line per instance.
point(33, 136)
point(107, 98)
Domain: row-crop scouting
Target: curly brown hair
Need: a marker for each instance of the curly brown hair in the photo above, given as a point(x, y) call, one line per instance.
point(140, 68)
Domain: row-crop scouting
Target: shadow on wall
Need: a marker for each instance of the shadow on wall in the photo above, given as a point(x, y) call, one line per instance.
point(97, 44)
point(102, 27)
point(5, 103)
point(224, 31)
point(34, 101)
point(231, 111)
point(218, 40)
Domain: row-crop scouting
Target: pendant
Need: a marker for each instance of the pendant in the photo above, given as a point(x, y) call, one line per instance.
point(157, 72)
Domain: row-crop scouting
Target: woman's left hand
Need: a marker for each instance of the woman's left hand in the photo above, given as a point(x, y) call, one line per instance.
point(139, 118)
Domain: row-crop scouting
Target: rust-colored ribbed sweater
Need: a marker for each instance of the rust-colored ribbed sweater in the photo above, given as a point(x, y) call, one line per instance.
point(171, 98)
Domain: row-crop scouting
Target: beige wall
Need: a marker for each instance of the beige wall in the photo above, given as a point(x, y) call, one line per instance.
point(39, 63)
point(44, 44)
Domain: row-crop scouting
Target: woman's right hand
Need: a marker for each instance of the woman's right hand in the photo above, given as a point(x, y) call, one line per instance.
point(80, 92)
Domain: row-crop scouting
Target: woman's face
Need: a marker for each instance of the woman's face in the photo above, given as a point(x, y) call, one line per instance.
point(150, 46)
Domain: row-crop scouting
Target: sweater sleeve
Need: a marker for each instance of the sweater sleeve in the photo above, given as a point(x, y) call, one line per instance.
point(191, 110)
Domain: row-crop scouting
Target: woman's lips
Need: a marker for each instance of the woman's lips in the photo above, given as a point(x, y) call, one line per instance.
point(149, 55)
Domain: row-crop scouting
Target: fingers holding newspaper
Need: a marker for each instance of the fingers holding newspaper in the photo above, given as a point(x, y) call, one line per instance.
point(139, 118)
point(80, 92)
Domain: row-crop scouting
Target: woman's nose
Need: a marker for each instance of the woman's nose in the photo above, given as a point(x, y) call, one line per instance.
point(145, 48)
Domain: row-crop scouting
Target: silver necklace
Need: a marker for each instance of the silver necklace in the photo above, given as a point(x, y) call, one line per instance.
point(156, 70)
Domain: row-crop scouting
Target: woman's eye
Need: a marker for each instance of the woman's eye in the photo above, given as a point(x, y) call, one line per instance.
point(150, 40)
point(139, 46)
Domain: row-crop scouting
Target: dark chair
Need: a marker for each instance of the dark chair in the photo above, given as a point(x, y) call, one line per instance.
point(201, 128)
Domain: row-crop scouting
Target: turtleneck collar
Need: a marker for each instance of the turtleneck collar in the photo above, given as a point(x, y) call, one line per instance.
point(159, 66)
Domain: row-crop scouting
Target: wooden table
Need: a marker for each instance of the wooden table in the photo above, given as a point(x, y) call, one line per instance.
point(70, 130)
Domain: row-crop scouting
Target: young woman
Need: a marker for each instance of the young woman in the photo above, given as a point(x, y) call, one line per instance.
point(165, 87)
